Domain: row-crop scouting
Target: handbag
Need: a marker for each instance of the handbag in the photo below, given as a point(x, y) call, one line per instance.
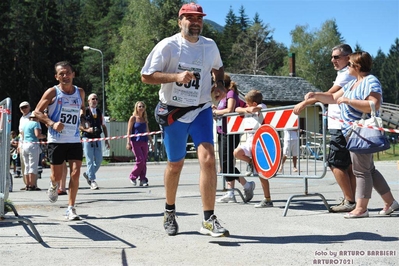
point(367, 140)
point(165, 114)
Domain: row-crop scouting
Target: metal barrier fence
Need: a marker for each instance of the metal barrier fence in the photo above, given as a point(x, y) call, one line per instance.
point(5, 180)
point(310, 126)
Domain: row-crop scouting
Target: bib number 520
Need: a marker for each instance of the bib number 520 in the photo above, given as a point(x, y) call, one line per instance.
point(68, 119)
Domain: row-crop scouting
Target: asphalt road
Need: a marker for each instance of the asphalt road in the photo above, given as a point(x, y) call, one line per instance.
point(123, 225)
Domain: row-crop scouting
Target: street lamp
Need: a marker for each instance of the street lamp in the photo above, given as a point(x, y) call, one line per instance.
point(102, 71)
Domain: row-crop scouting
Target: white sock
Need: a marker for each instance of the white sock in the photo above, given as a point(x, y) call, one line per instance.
point(247, 185)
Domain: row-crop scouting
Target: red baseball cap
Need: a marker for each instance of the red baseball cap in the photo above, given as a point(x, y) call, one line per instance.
point(191, 8)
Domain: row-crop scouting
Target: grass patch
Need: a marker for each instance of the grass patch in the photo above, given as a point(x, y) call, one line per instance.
point(389, 155)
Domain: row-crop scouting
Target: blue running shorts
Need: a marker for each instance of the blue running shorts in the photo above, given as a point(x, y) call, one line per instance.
point(176, 135)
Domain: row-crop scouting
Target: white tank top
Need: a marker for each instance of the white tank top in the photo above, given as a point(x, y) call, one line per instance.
point(65, 109)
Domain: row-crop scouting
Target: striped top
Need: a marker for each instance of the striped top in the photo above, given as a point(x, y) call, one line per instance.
point(348, 113)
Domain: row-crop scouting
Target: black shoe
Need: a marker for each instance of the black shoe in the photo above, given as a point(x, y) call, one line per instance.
point(169, 222)
point(87, 178)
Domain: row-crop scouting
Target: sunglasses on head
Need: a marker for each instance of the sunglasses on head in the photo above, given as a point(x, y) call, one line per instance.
point(350, 64)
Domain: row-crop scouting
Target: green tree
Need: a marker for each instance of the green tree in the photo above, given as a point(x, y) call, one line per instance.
point(313, 51)
point(98, 27)
point(378, 61)
point(390, 74)
point(251, 50)
point(357, 48)
point(231, 31)
point(140, 33)
point(243, 19)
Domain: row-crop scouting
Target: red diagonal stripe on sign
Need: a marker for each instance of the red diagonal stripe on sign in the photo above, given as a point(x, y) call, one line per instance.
point(237, 123)
point(268, 118)
point(296, 123)
point(284, 118)
point(265, 152)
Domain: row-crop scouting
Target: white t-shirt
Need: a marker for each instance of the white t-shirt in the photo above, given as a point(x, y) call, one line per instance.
point(175, 54)
point(334, 112)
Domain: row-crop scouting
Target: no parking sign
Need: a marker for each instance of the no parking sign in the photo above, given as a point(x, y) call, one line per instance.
point(266, 151)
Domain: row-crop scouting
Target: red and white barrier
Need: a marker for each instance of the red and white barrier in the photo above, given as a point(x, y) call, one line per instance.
point(281, 119)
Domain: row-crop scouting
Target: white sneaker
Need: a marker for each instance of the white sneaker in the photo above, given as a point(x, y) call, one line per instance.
point(71, 214)
point(52, 193)
point(264, 204)
point(134, 182)
point(227, 199)
point(93, 185)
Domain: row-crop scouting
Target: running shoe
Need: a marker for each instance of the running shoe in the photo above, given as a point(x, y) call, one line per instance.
point(52, 193)
point(93, 185)
point(71, 214)
point(169, 222)
point(227, 198)
point(344, 206)
point(249, 193)
point(264, 204)
point(213, 228)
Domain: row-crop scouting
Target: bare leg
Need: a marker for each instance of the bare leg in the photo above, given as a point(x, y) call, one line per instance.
point(171, 180)
point(62, 183)
point(294, 160)
point(208, 179)
point(240, 154)
point(56, 173)
point(344, 182)
point(266, 187)
point(242, 180)
point(230, 184)
point(74, 166)
point(282, 163)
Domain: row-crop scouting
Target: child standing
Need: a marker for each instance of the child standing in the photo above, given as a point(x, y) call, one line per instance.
point(244, 152)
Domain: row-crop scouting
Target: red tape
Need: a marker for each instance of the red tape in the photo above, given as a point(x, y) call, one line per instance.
point(112, 138)
point(360, 125)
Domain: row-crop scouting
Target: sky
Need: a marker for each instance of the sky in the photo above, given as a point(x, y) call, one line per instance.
point(373, 24)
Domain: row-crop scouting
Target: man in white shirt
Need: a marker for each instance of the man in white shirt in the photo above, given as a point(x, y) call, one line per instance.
point(182, 65)
point(338, 158)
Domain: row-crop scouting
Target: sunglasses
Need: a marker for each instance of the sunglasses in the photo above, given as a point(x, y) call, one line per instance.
point(140, 106)
point(24, 107)
point(350, 64)
point(336, 57)
point(94, 99)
